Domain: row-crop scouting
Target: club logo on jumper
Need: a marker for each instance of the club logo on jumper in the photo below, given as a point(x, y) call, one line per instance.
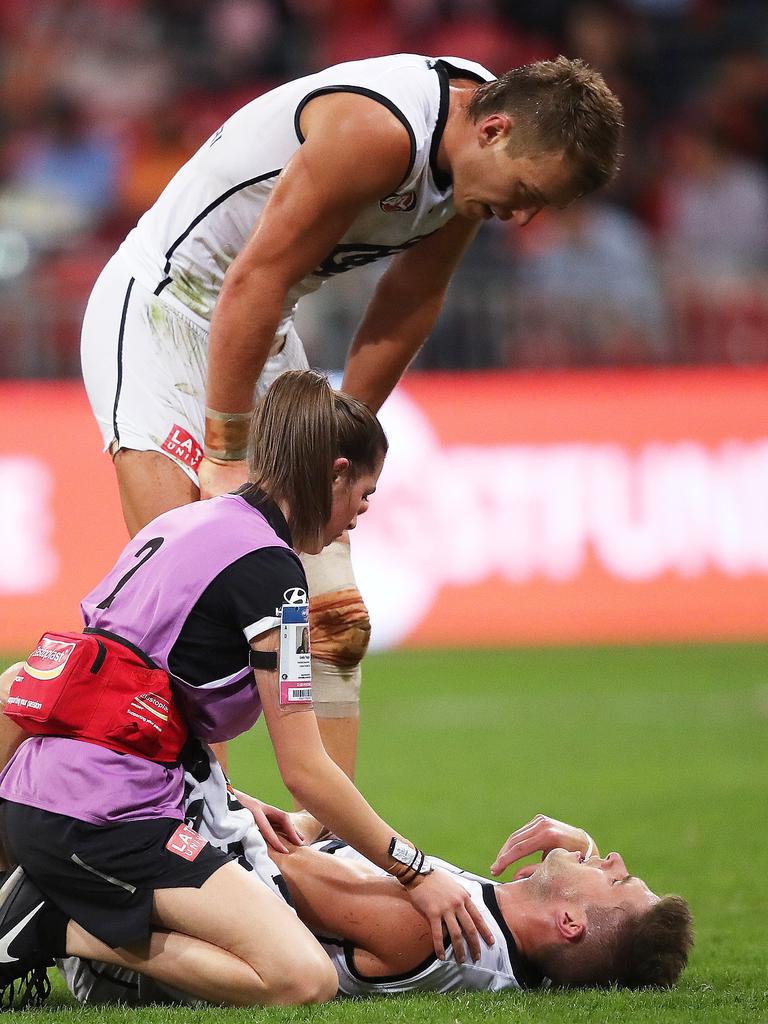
point(398, 202)
point(186, 843)
point(295, 596)
point(183, 446)
point(150, 708)
point(48, 659)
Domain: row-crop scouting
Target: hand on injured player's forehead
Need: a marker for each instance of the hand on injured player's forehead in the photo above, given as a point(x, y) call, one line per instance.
point(540, 835)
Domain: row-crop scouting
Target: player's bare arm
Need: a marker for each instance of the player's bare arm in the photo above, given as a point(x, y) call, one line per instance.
point(355, 151)
point(403, 311)
point(348, 900)
point(315, 781)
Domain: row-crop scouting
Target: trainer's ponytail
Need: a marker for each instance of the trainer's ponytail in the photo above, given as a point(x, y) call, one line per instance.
point(299, 428)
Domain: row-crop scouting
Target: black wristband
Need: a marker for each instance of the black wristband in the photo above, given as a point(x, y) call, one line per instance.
point(262, 659)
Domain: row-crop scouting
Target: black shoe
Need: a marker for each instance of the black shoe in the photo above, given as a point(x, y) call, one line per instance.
point(23, 964)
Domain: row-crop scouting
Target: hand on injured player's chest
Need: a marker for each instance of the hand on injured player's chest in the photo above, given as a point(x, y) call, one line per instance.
point(448, 907)
point(273, 823)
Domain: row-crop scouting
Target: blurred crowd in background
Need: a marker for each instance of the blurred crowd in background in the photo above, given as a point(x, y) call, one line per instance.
point(102, 100)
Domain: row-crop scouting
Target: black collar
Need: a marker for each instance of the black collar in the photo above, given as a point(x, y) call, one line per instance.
point(445, 72)
point(526, 975)
point(261, 501)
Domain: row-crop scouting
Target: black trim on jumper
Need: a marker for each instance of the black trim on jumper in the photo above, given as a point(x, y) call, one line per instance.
point(95, 631)
point(211, 206)
point(526, 975)
point(333, 845)
point(382, 979)
point(442, 180)
point(285, 892)
point(445, 72)
point(120, 336)
point(359, 90)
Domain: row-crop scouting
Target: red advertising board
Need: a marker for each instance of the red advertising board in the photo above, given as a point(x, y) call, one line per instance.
point(578, 508)
point(60, 520)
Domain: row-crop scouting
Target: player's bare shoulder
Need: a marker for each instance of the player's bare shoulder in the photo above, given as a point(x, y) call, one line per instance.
point(349, 129)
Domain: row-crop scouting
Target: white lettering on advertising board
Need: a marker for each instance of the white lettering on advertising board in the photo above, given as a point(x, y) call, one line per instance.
point(28, 560)
point(461, 514)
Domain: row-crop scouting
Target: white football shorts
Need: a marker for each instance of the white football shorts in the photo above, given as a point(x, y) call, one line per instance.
point(144, 367)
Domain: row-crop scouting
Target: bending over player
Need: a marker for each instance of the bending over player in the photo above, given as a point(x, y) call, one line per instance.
point(398, 157)
point(574, 919)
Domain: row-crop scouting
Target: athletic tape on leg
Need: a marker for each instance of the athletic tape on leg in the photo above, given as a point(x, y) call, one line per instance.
point(336, 690)
point(340, 630)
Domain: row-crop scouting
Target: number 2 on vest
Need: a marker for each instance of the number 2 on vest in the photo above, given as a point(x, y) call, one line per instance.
point(147, 551)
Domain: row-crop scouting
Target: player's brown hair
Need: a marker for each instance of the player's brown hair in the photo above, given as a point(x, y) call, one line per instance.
point(559, 105)
point(629, 950)
point(298, 429)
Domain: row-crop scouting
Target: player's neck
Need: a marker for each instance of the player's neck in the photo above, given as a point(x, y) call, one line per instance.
point(461, 92)
point(524, 914)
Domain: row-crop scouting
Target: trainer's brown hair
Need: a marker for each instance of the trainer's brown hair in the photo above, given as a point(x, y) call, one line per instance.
point(299, 428)
point(559, 105)
point(629, 950)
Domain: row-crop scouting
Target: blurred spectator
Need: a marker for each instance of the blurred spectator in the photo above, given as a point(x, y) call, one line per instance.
point(157, 151)
point(738, 103)
point(477, 32)
point(713, 208)
point(63, 177)
point(102, 100)
point(588, 289)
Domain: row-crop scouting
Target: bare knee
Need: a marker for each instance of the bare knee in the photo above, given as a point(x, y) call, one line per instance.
point(312, 980)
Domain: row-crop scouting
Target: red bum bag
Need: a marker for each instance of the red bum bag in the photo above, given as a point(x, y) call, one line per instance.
point(97, 688)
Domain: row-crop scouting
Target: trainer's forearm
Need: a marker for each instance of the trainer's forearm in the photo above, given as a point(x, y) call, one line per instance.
point(326, 792)
point(242, 332)
point(395, 327)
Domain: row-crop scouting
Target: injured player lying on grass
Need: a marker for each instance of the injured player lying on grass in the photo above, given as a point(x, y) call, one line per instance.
point(573, 919)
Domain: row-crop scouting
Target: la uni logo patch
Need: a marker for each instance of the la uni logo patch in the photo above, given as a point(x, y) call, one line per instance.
point(398, 202)
point(186, 843)
point(181, 444)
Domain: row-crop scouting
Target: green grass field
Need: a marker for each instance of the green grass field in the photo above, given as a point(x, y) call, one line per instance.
point(661, 752)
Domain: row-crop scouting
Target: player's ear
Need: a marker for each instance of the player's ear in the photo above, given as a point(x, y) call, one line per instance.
point(571, 924)
point(494, 128)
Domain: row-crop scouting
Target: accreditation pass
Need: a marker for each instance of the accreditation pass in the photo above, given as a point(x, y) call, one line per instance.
point(295, 662)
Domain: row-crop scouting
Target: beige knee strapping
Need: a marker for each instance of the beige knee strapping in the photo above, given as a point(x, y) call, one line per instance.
point(340, 630)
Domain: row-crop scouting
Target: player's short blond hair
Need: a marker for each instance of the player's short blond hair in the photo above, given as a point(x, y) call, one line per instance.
point(559, 105)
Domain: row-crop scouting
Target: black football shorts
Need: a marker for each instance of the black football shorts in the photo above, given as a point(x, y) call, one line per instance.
point(104, 876)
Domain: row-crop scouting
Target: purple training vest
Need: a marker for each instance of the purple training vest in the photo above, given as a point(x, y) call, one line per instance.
point(146, 599)
point(157, 581)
